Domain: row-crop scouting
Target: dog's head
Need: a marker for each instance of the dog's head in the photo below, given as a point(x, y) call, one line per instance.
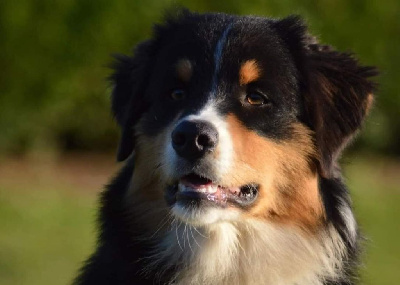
point(231, 117)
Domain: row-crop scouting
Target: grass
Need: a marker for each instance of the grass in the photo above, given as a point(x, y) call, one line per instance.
point(48, 209)
point(47, 214)
point(375, 187)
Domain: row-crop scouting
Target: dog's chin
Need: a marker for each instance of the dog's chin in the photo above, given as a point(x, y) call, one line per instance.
point(202, 215)
point(198, 200)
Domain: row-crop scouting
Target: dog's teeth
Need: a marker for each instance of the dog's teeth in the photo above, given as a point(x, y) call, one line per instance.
point(202, 189)
point(212, 188)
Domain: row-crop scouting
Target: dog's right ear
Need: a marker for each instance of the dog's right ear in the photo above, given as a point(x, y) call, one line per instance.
point(129, 80)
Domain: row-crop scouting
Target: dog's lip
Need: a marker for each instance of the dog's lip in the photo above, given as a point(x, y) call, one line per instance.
point(196, 187)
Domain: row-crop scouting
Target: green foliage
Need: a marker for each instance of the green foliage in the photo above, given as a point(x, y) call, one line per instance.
point(54, 56)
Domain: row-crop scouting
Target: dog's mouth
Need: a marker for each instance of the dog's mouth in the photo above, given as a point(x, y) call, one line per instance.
point(194, 188)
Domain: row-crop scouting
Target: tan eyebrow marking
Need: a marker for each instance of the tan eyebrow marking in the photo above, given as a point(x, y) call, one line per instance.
point(184, 69)
point(249, 72)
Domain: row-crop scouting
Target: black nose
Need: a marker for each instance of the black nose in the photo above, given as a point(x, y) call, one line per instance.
point(192, 139)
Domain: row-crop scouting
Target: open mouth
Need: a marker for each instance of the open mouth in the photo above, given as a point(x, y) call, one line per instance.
point(194, 188)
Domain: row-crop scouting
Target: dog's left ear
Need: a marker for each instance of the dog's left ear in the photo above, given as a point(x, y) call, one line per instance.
point(337, 90)
point(128, 101)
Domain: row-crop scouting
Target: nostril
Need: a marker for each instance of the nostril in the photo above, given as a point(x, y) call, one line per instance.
point(178, 138)
point(203, 140)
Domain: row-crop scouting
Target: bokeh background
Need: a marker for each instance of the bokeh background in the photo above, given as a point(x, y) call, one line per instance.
point(57, 135)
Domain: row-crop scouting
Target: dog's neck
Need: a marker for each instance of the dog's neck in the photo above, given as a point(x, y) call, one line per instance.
point(249, 253)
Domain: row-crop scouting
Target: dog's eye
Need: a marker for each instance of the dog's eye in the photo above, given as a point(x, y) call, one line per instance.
point(178, 94)
point(257, 99)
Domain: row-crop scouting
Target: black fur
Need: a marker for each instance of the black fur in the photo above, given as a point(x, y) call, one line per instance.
point(119, 256)
point(307, 82)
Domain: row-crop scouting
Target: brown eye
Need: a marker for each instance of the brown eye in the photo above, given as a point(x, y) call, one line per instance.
point(178, 94)
point(257, 99)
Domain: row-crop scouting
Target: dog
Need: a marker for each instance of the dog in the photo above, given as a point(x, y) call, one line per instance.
point(231, 129)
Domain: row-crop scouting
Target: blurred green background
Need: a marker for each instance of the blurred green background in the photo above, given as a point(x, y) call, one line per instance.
point(57, 134)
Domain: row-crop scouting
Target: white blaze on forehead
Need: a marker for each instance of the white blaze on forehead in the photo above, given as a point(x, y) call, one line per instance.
point(218, 56)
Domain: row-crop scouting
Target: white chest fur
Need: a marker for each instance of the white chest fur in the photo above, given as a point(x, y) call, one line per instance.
point(250, 253)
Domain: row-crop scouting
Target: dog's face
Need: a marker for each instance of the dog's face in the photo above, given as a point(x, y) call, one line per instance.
point(237, 117)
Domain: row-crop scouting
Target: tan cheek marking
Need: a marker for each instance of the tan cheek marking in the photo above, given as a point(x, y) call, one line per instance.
point(249, 72)
point(148, 181)
point(184, 70)
point(252, 155)
point(146, 177)
point(145, 196)
point(289, 186)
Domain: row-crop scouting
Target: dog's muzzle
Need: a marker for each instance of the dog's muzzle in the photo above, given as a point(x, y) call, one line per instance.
point(197, 182)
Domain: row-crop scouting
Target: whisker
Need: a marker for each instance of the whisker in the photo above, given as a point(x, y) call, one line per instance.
point(200, 233)
point(188, 238)
point(194, 238)
point(163, 222)
point(177, 237)
point(187, 232)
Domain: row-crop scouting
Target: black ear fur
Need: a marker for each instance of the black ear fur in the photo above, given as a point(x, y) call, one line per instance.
point(128, 101)
point(338, 97)
point(337, 90)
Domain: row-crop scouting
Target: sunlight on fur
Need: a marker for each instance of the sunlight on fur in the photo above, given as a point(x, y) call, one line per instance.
point(248, 252)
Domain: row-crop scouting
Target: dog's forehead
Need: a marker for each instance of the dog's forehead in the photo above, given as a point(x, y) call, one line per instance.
point(221, 50)
point(226, 42)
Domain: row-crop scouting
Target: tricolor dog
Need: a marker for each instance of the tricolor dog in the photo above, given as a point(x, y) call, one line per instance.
point(232, 127)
